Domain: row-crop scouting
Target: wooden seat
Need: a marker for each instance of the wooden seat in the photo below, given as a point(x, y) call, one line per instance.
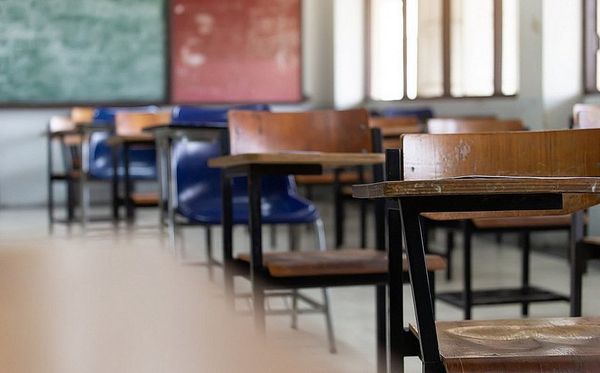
point(540, 182)
point(534, 345)
point(346, 177)
point(339, 262)
point(523, 222)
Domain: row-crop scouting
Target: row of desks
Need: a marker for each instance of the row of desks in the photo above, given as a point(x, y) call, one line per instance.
point(473, 194)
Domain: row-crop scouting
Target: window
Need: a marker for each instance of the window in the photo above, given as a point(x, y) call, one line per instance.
point(442, 48)
point(591, 47)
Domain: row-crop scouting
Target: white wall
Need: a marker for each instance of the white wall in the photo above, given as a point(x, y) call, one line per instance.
point(23, 155)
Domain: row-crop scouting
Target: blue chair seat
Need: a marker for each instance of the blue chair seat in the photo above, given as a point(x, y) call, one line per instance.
point(199, 191)
point(142, 162)
point(278, 210)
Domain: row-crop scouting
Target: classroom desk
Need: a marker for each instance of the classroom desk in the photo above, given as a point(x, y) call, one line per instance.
point(254, 166)
point(164, 136)
point(95, 306)
point(410, 199)
point(80, 132)
point(124, 143)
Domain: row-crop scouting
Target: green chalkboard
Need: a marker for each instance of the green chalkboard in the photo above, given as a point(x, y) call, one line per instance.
point(82, 51)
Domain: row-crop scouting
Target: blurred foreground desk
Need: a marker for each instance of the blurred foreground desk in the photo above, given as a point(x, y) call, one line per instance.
point(122, 309)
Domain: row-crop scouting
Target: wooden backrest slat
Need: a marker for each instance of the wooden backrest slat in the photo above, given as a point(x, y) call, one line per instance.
point(586, 116)
point(81, 114)
point(468, 125)
point(545, 153)
point(132, 123)
point(323, 131)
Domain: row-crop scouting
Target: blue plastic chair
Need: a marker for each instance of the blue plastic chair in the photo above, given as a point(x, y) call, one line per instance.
point(142, 161)
point(199, 186)
point(197, 115)
point(198, 191)
point(98, 159)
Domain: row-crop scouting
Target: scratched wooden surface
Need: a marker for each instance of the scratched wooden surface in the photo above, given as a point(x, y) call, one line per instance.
point(533, 345)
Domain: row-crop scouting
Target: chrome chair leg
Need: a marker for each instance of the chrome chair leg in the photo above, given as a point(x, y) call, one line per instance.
point(322, 246)
point(293, 246)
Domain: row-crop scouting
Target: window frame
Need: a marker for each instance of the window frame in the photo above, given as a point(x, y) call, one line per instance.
point(446, 54)
point(590, 47)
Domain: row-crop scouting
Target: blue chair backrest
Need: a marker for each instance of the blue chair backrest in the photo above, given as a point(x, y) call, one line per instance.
point(106, 115)
point(195, 178)
point(100, 153)
point(214, 115)
point(422, 113)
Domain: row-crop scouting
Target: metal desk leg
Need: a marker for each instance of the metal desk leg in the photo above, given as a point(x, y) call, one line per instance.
point(577, 262)
point(411, 229)
point(50, 183)
point(395, 293)
point(256, 262)
point(227, 239)
point(128, 186)
point(115, 183)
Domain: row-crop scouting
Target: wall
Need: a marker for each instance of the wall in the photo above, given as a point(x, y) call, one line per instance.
point(333, 38)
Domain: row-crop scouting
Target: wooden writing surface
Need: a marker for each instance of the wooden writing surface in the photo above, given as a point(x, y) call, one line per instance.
point(82, 51)
point(235, 51)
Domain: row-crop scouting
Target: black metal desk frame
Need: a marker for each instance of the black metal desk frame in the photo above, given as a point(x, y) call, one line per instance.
point(404, 218)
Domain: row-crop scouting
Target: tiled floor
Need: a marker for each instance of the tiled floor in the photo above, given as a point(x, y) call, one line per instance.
point(353, 307)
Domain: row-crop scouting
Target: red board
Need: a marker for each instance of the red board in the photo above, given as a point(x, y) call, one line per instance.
point(235, 51)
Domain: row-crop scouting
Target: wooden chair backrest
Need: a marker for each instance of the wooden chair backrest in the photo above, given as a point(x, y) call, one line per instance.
point(81, 114)
point(586, 116)
point(392, 127)
point(536, 154)
point(468, 125)
point(322, 130)
point(132, 123)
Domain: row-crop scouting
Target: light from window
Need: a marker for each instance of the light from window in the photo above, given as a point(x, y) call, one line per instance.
point(430, 73)
point(510, 47)
point(480, 58)
point(472, 48)
point(387, 54)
